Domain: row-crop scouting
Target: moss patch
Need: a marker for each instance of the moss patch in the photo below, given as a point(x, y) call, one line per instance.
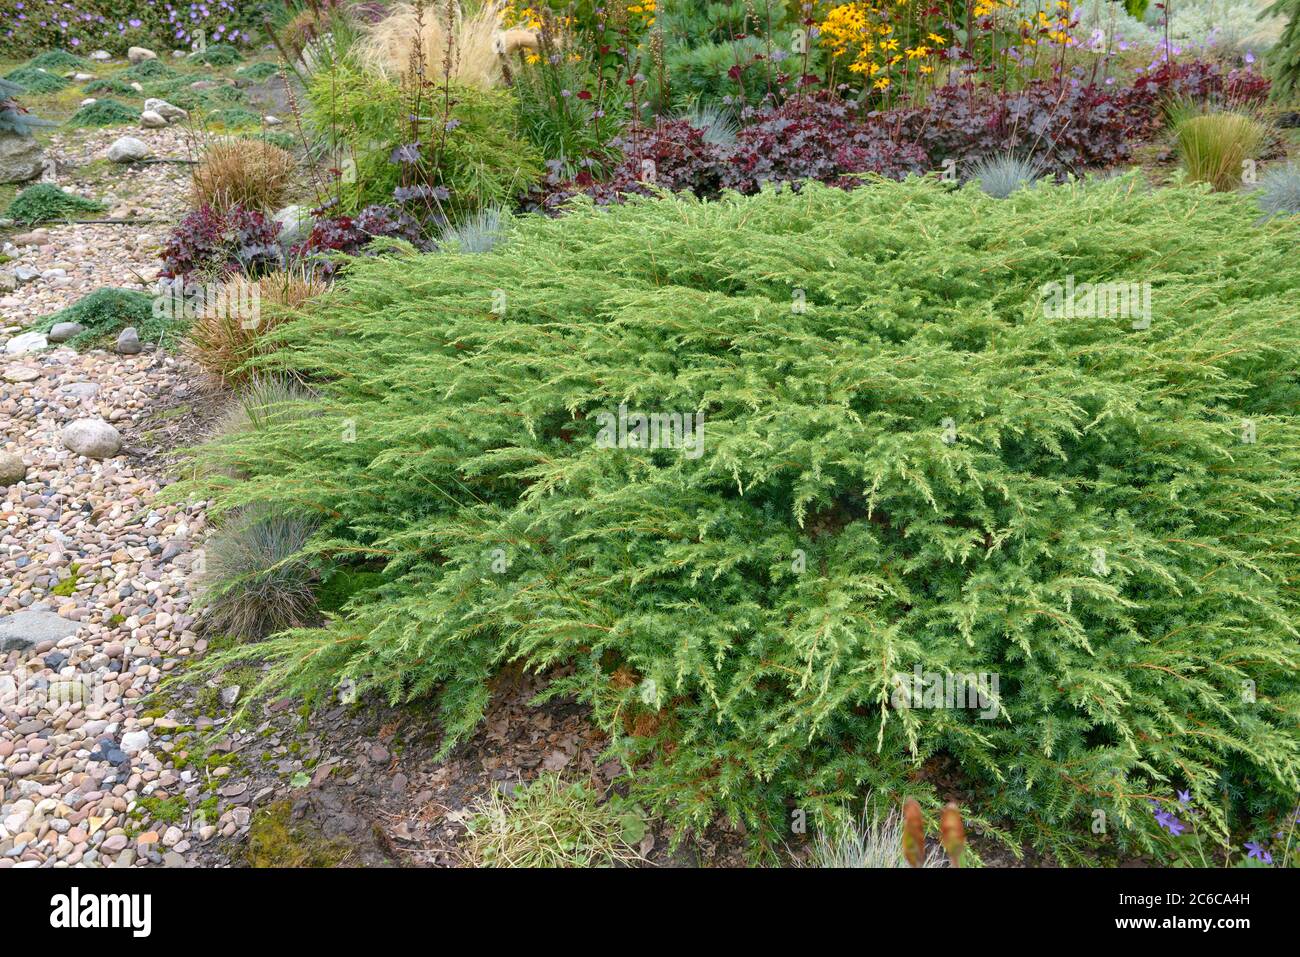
point(275, 840)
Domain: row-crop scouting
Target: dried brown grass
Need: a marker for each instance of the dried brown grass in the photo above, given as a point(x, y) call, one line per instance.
point(223, 340)
point(243, 172)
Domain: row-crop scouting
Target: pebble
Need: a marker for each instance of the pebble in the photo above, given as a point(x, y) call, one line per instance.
point(79, 752)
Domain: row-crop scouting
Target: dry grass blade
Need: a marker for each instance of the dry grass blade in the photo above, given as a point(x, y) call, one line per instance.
point(241, 172)
point(471, 41)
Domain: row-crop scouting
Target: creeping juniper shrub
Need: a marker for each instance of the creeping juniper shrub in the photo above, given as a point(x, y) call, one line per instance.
point(148, 70)
point(45, 203)
point(110, 85)
point(909, 461)
point(60, 61)
point(217, 54)
point(35, 80)
point(106, 112)
point(106, 312)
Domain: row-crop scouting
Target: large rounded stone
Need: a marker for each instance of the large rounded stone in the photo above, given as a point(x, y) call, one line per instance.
point(164, 109)
point(20, 158)
point(26, 342)
point(93, 438)
point(128, 149)
point(12, 469)
point(63, 331)
point(140, 54)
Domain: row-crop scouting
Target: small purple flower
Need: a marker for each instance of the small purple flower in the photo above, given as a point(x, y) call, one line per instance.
point(406, 153)
point(1258, 853)
point(1184, 797)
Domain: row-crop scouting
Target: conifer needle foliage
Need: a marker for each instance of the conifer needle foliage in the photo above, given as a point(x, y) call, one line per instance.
point(907, 461)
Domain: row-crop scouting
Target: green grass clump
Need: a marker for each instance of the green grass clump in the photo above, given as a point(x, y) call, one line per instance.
point(909, 461)
point(60, 60)
point(106, 312)
point(1214, 146)
point(46, 203)
point(35, 80)
point(106, 112)
point(217, 54)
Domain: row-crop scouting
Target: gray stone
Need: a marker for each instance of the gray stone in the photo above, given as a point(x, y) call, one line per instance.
point(63, 331)
point(12, 469)
point(164, 109)
point(27, 342)
point(26, 274)
point(151, 120)
point(101, 55)
point(140, 54)
point(30, 627)
point(128, 342)
point(134, 742)
point(93, 438)
point(20, 157)
point(128, 149)
point(8, 282)
point(295, 224)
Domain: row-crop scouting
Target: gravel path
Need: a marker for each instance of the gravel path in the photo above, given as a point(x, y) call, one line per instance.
point(92, 569)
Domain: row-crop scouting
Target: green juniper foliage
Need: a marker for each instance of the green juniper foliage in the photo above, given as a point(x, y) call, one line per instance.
point(908, 460)
point(59, 60)
point(106, 112)
point(106, 312)
point(45, 202)
point(35, 80)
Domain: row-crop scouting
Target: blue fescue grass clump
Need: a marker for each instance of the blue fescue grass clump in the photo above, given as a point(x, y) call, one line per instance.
point(1279, 190)
point(479, 232)
point(909, 464)
point(1000, 176)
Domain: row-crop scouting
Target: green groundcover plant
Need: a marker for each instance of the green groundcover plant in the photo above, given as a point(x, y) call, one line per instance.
point(913, 458)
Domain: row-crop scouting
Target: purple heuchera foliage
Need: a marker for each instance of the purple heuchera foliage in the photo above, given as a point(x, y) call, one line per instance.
point(350, 234)
point(207, 242)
